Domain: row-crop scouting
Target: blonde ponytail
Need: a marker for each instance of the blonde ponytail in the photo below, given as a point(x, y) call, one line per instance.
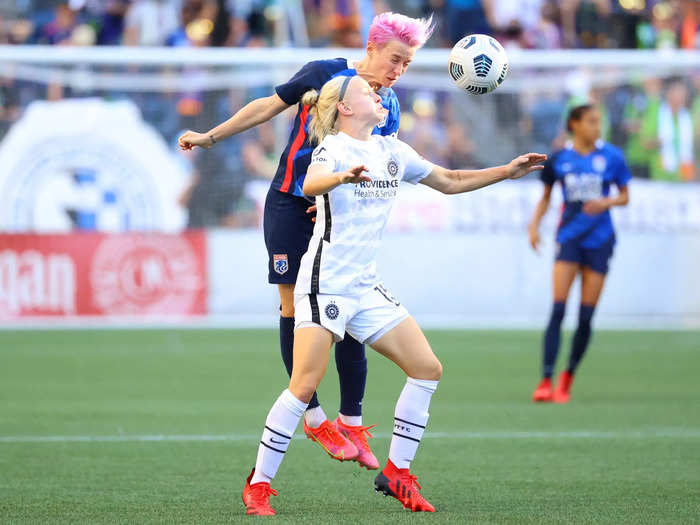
point(309, 98)
point(323, 109)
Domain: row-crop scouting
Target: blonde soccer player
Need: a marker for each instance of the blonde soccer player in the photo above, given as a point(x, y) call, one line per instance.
point(393, 40)
point(354, 176)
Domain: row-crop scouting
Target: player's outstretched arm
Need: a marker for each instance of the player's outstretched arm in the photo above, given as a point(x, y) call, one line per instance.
point(461, 181)
point(533, 229)
point(255, 112)
point(319, 179)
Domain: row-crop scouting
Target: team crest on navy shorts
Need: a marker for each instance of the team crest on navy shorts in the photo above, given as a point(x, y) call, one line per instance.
point(280, 263)
point(392, 168)
point(332, 311)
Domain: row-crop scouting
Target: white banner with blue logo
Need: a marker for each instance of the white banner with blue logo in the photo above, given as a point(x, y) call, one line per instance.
point(91, 165)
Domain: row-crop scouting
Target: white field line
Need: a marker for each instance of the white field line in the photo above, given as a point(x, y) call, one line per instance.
point(486, 435)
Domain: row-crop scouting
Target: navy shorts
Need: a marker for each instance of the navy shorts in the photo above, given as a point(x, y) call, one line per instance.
point(288, 229)
point(596, 259)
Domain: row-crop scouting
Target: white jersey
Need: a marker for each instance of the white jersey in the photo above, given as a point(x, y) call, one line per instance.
point(351, 218)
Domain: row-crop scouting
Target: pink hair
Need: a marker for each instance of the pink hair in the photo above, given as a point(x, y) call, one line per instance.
point(411, 31)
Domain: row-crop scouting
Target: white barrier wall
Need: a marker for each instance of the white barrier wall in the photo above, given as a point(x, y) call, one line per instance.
point(464, 261)
point(472, 280)
point(96, 159)
point(458, 261)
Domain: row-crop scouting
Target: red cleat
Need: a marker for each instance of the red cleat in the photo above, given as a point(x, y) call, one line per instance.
point(543, 392)
point(256, 497)
point(562, 393)
point(402, 485)
point(332, 441)
point(358, 436)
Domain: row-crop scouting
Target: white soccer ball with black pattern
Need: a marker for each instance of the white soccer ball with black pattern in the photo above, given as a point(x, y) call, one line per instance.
point(478, 64)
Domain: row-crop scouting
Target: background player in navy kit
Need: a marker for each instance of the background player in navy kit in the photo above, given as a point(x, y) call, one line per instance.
point(393, 40)
point(586, 168)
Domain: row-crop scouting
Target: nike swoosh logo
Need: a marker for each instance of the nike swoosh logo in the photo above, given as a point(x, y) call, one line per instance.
point(278, 442)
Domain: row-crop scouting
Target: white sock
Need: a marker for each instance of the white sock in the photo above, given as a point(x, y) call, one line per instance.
point(351, 421)
point(281, 422)
point(315, 416)
point(410, 418)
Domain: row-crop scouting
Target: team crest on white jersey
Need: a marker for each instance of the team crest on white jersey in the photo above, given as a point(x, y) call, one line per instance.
point(280, 263)
point(392, 168)
point(332, 311)
point(599, 163)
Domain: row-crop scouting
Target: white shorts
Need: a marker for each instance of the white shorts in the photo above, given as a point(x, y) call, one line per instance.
point(366, 317)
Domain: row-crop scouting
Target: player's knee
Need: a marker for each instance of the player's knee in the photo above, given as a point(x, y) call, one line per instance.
point(437, 370)
point(303, 389)
point(431, 371)
point(286, 307)
point(286, 300)
point(286, 310)
point(304, 395)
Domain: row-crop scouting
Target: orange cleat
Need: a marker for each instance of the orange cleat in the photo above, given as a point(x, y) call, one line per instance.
point(402, 485)
point(256, 497)
point(332, 441)
point(358, 436)
point(543, 392)
point(562, 393)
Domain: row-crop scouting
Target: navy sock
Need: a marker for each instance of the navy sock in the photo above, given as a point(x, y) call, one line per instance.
point(551, 339)
point(287, 347)
point(351, 361)
point(581, 337)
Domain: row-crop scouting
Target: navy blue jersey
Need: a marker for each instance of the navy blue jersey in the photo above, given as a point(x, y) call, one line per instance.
point(297, 154)
point(584, 178)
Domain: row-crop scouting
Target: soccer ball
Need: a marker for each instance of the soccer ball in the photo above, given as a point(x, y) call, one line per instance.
point(478, 64)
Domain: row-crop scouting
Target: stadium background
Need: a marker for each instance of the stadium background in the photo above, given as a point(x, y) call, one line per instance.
point(104, 223)
point(94, 95)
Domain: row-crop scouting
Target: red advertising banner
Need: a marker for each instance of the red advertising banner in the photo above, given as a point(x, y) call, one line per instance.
point(103, 275)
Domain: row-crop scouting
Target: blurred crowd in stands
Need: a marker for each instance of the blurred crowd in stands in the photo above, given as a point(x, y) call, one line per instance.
point(533, 24)
point(655, 120)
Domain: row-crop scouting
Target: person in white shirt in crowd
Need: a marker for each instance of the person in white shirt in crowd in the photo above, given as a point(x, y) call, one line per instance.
point(149, 22)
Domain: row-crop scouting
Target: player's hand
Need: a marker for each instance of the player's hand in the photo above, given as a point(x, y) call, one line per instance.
point(524, 164)
point(190, 139)
point(312, 209)
point(534, 236)
point(354, 175)
point(596, 207)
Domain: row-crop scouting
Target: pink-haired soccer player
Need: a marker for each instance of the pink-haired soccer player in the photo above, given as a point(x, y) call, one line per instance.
point(393, 40)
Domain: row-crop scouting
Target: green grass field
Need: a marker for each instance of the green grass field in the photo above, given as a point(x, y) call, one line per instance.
point(81, 414)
